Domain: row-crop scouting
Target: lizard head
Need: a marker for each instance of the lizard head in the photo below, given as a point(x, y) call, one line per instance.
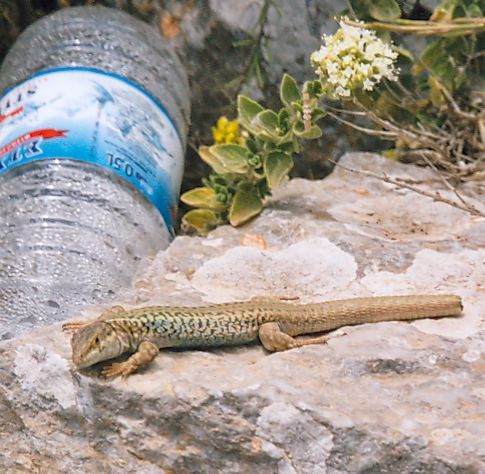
point(95, 343)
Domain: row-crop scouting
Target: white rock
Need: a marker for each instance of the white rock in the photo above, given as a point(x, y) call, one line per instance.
point(389, 397)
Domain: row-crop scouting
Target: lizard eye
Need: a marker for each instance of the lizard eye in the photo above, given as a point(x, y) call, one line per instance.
point(96, 341)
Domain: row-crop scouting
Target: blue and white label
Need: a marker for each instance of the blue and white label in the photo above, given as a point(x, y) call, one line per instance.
point(87, 115)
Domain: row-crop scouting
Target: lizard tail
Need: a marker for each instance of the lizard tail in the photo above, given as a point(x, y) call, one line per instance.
point(335, 314)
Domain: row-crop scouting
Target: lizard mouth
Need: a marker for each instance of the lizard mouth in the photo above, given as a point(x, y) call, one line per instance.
point(80, 363)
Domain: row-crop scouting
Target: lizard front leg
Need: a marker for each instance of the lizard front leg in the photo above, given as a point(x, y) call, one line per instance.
point(274, 339)
point(147, 351)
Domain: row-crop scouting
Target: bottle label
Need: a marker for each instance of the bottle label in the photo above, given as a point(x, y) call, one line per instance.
point(88, 115)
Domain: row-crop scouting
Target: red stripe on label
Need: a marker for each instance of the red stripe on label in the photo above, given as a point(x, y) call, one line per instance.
point(45, 133)
point(11, 114)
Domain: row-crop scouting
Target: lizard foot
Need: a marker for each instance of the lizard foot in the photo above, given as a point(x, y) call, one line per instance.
point(118, 369)
point(310, 340)
point(300, 342)
point(274, 339)
point(273, 299)
point(146, 352)
point(74, 325)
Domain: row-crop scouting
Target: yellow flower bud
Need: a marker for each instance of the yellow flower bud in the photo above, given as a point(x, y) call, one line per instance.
point(218, 135)
point(226, 131)
point(222, 122)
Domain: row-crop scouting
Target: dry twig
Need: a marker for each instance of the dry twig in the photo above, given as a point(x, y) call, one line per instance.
point(436, 196)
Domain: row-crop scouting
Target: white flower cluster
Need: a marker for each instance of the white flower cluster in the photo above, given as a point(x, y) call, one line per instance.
point(351, 59)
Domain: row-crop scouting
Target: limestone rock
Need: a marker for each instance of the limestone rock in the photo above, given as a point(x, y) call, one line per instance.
point(389, 397)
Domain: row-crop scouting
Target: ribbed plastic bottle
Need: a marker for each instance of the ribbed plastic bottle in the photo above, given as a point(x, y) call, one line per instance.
point(94, 111)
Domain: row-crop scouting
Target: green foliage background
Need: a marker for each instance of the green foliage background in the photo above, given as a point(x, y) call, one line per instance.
point(440, 78)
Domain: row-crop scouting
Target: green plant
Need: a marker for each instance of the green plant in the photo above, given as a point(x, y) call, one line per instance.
point(434, 113)
point(243, 175)
point(430, 113)
point(255, 41)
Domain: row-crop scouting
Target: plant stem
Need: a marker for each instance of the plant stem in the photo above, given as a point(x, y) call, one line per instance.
point(436, 196)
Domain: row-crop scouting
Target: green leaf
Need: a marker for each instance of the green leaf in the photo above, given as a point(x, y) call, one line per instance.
point(474, 10)
point(211, 159)
point(245, 205)
point(289, 91)
point(384, 36)
point(288, 147)
point(427, 119)
point(314, 89)
point(283, 119)
point(271, 127)
point(286, 138)
point(311, 134)
point(446, 58)
point(202, 220)
point(265, 125)
point(444, 11)
point(383, 10)
point(436, 92)
point(231, 157)
point(431, 51)
point(386, 105)
point(247, 109)
point(233, 83)
point(255, 161)
point(277, 165)
point(259, 73)
point(251, 145)
point(268, 120)
point(358, 8)
point(404, 53)
point(391, 154)
point(317, 114)
point(263, 188)
point(201, 197)
point(243, 43)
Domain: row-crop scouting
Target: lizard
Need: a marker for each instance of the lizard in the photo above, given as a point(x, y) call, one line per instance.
point(142, 332)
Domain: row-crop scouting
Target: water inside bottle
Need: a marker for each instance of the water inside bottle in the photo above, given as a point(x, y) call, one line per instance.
point(73, 233)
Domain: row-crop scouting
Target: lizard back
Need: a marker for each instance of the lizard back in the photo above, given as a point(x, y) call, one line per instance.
point(238, 323)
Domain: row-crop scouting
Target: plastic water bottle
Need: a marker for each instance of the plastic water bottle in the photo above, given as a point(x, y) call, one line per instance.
point(94, 111)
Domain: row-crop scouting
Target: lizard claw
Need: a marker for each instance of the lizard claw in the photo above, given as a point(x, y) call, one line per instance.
point(74, 326)
point(117, 369)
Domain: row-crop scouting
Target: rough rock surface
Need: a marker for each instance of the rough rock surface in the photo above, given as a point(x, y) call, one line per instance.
point(389, 397)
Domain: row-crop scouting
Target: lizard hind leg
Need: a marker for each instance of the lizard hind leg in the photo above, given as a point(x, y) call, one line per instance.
point(107, 314)
point(110, 312)
point(273, 299)
point(274, 339)
point(74, 325)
